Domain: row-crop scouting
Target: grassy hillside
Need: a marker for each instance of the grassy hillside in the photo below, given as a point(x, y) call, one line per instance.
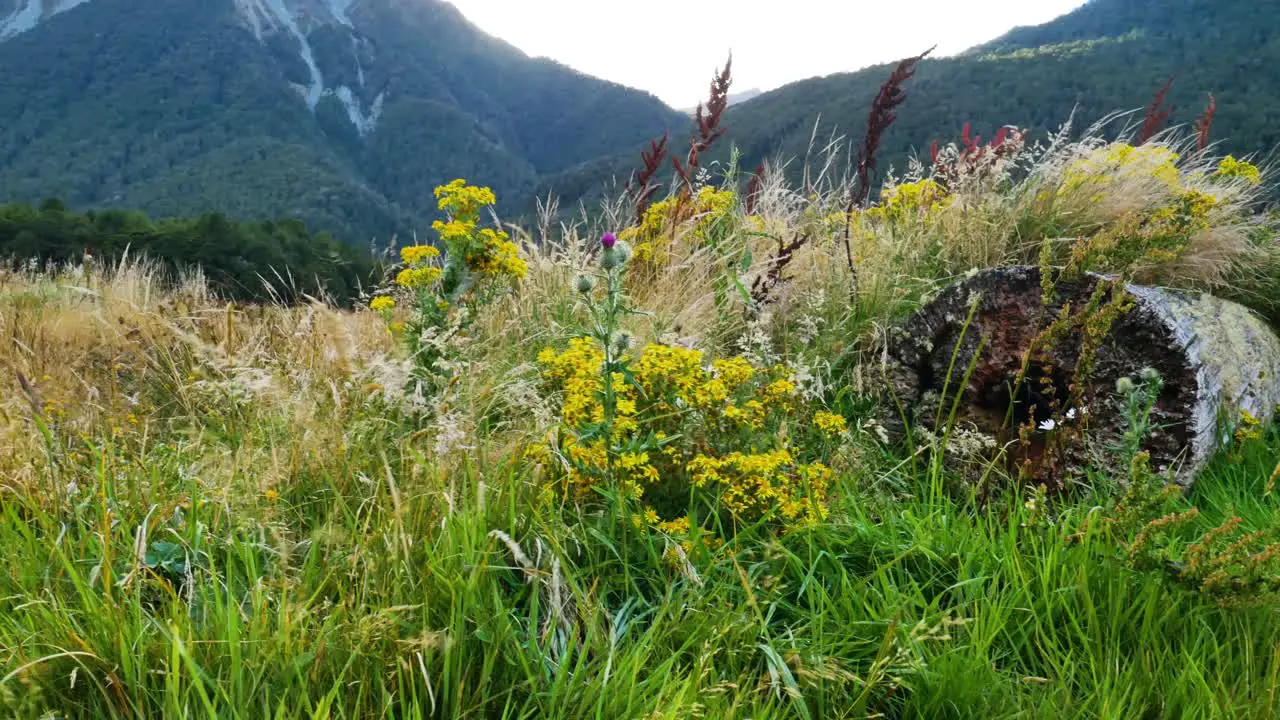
point(587, 477)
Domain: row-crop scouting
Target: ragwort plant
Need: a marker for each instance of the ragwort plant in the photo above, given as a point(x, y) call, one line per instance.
point(444, 294)
point(692, 443)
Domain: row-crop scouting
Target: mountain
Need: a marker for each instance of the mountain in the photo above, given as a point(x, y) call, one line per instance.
point(344, 113)
point(1106, 56)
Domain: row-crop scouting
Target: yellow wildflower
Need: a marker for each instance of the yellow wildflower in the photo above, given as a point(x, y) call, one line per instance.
point(537, 452)
point(415, 254)
point(733, 371)
point(1120, 161)
point(421, 277)
point(679, 526)
point(665, 369)
point(459, 198)
point(830, 423)
point(496, 256)
point(1233, 168)
point(454, 230)
point(751, 414)
point(381, 303)
point(779, 390)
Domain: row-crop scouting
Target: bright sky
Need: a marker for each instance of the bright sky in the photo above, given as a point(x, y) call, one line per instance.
point(644, 43)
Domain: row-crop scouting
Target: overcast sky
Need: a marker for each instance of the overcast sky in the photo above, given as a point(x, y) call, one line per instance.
point(644, 43)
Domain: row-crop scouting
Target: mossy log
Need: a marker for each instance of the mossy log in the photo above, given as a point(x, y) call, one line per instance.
point(1042, 376)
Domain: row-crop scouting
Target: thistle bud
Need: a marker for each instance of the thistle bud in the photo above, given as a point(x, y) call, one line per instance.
point(585, 284)
point(608, 240)
point(610, 259)
point(1124, 386)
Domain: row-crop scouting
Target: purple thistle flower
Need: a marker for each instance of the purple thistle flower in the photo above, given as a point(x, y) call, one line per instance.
point(608, 240)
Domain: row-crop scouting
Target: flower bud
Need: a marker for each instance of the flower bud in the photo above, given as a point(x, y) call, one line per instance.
point(608, 240)
point(1124, 386)
point(585, 284)
point(610, 259)
point(1149, 374)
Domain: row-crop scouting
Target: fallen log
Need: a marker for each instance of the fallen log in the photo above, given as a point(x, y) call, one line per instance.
point(1038, 380)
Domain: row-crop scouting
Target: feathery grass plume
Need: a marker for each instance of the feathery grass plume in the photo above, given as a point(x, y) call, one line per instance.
point(1157, 114)
point(707, 118)
point(1204, 123)
point(882, 115)
point(643, 188)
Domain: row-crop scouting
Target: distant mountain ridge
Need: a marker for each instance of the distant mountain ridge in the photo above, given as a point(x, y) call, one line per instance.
point(345, 113)
point(1106, 56)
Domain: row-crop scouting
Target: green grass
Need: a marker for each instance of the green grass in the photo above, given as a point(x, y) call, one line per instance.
point(368, 593)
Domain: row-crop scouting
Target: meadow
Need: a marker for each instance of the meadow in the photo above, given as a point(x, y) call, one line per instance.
point(631, 465)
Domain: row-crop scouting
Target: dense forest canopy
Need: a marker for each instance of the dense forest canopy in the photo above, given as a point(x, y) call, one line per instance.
point(265, 260)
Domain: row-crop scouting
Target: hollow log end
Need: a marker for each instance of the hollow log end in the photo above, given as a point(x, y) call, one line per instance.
point(990, 359)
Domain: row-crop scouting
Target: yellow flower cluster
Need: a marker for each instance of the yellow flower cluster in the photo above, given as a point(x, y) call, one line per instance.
point(417, 254)
point(1249, 429)
point(753, 485)
point(454, 231)
point(908, 200)
point(462, 200)
point(577, 371)
point(713, 203)
point(749, 414)
point(1233, 168)
point(678, 527)
point(678, 418)
point(381, 303)
point(654, 237)
point(497, 256)
point(485, 251)
point(665, 370)
point(416, 278)
point(830, 423)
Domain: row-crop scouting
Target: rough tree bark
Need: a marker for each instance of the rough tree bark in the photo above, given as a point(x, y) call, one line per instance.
point(1216, 359)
